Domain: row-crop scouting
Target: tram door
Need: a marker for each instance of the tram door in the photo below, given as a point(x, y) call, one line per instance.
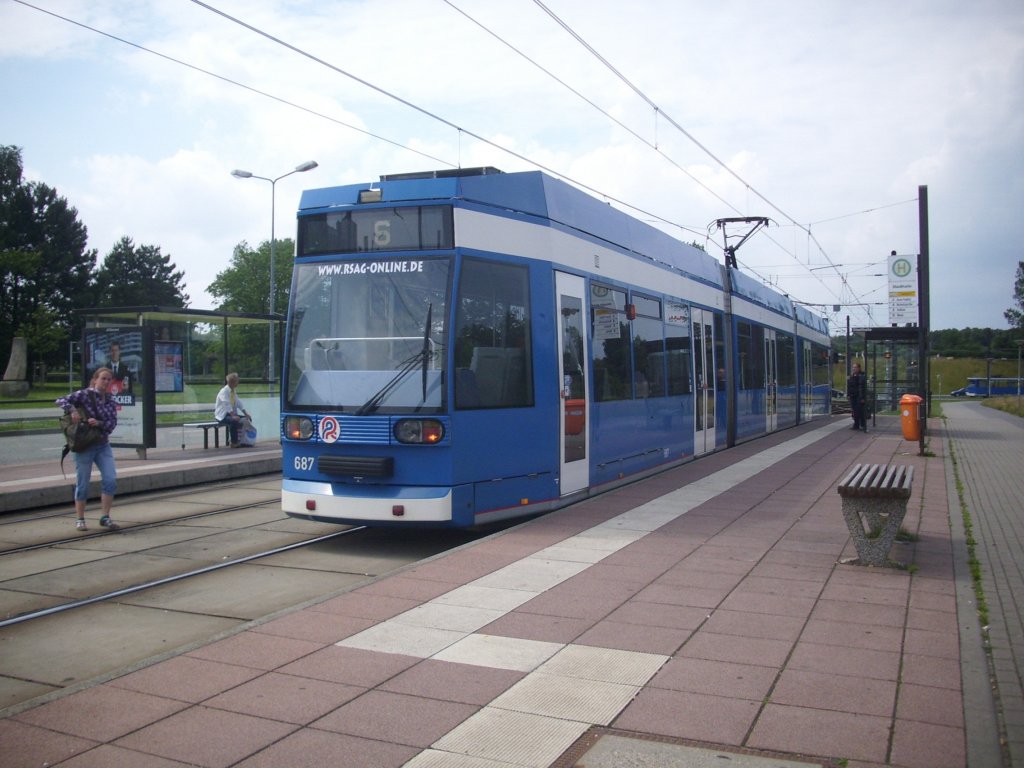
point(807, 383)
point(573, 357)
point(705, 381)
point(771, 381)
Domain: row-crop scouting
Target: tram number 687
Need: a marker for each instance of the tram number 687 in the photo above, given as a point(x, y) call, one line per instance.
point(304, 463)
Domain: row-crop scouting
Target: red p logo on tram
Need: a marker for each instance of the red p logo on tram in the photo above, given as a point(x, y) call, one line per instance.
point(330, 429)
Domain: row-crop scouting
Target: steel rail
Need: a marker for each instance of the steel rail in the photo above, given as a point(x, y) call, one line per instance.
point(60, 510)
point(169, 579)
point(139, 527)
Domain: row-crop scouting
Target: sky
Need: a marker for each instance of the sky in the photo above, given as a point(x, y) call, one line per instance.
point(826, 117)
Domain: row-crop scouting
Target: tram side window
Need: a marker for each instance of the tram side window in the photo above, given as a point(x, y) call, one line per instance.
point(648, 348)
point(787, 360)
point(493, 366)
point(821, 372)
point(677, 352)
point(750, 346)
point(719, 326)
point(610, 331)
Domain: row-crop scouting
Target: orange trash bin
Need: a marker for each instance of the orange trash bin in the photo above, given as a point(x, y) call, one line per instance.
point(910, 406)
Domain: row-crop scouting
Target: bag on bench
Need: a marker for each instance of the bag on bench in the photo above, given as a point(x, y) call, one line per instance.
point(246, 432)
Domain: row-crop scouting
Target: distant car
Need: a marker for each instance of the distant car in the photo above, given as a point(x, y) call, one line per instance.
point(838, 394)
point(959, 392)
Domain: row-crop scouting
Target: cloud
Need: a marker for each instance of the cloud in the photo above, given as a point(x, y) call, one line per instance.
point(834, 113)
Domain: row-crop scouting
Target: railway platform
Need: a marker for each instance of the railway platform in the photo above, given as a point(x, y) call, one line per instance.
point(45, 483)
point(705, 614)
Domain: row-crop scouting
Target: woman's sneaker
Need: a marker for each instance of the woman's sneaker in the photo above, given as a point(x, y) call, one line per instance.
point(106, 522)
point(80, 525)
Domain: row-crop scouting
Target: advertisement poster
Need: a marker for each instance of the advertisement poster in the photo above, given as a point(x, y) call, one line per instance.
point(126, 352)
point(168, 373)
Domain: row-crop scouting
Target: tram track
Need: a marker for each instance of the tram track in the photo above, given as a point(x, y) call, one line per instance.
point(186, 568)
point(142, 544)
point(169, 579)
point(140, 536)
point(133, 528)
point(179, 493)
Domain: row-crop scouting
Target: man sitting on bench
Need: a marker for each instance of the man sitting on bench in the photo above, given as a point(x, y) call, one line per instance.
point(229, 410)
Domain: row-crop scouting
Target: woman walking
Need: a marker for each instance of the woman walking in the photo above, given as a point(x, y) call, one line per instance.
point(100, 411)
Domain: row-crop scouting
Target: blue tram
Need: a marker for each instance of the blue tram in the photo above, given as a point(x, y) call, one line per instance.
point(468, 346)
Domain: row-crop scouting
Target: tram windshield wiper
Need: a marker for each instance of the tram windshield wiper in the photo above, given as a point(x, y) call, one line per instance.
point(406, 367)
point(425, 352)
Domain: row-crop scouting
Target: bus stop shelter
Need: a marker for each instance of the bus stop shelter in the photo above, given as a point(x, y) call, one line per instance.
point(177, 359)
point(896, 364)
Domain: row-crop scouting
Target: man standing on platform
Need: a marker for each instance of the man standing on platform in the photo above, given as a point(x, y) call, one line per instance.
point(857, 391)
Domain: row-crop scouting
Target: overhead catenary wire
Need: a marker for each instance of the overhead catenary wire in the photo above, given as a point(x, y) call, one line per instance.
point(405, 102)
point(658, 114)
point(668, 118)
point(657, 111)
point(861, 213)
point(461, 130)
point(427, 113)
point(229, 81)
point(653, 145)
point(578, 94)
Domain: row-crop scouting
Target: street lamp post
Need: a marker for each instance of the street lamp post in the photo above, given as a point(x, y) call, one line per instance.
point(307, 166)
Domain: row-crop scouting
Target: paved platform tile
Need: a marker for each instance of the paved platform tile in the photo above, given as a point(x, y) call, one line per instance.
point(495, 734)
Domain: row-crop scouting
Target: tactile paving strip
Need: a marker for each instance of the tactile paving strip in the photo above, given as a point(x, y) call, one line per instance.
point(607, 748)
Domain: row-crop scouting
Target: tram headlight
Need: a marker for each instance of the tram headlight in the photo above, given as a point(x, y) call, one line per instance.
point(298, 427)
point(419, 431)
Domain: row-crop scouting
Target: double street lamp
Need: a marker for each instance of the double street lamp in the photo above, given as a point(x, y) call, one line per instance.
point(307, 166)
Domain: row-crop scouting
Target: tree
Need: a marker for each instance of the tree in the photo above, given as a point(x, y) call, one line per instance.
point(1015, 317)
point(133, 276)
point(45, 268)
point(243, 286)
point(957, 342)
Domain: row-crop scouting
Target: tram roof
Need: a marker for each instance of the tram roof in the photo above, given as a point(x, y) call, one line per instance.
point(804, 316)
point(532, 193)
point(535, 193)
point(749, 288)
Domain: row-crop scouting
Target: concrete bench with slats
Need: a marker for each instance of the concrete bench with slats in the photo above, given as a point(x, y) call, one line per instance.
point(873, 481)
point(874, 498)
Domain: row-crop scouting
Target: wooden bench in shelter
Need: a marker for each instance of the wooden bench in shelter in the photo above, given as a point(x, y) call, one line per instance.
point(206, 426)
point(874, 505)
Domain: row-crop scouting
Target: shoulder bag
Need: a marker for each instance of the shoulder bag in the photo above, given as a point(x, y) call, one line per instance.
point(80, 436)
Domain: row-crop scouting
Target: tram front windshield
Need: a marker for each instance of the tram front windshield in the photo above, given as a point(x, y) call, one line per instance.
point(368, 336)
